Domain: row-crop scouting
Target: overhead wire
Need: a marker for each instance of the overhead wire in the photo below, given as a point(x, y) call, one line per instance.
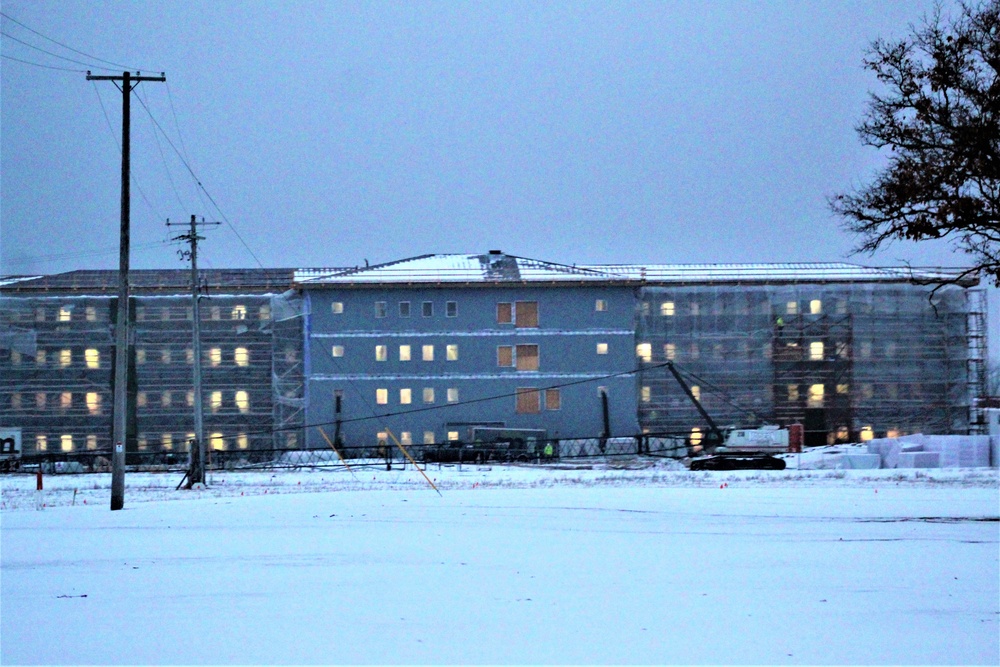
point(28, 62)
point(54, 55)
point(163, 158)
point(70, 48)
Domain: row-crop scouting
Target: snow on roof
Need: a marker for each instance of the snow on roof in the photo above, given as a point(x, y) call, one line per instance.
point(499, 267)
point(491, 267)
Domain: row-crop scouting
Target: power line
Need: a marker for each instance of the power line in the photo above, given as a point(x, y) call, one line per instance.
point(28, 62)
point(66, 46)
point(187, 165)
point(163, 158)
point(54, 55)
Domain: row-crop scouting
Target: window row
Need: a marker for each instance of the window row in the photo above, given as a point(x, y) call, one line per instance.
point(95, 402)
point(92, 357)
point(427, 394)
point(812, 351)
point(404, 308)
point(72, 313)
point(739, 307)
point(68, 442)
point(406, 437)
point(406, 352)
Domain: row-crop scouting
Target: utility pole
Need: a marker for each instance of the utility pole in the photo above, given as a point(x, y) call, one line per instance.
point(196, 453)
point(123, 332)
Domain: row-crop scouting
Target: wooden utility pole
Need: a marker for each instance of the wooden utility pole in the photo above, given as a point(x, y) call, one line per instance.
point(123, 332)
point(196, 453)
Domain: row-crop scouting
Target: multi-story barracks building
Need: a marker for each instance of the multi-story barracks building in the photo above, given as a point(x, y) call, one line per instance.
point(434, 346)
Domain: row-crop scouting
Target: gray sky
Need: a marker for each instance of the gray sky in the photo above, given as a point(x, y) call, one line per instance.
point(330, 133)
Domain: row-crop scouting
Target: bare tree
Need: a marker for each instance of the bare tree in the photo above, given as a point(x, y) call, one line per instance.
point(936, 120)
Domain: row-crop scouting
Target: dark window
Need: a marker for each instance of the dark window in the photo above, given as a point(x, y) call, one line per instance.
point(380, 309)
point(451, 309)
point(428, 309)
point(404, 308)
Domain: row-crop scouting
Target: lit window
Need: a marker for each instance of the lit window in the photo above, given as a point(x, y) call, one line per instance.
point(41, 442)
point(91, 314)
point(140, 355)
point(141, 399)
point(843, 389)
point(141, 441)
point(165, 355)
point(66, 400)
point(65, 358)
point(381, 353)
point(505, 313)
point(428, 353)
point(529, 400)
point(696, 392)
point(337, 307)
point(526, 357)
point(647, 394)
point(815, 307)
point(382, 396)
point(241, 356)
point(405, 396)
point(428, 394)
point(265, 312)
point(667, 308)
point(189, 355)
point(526, 314)
point(644, 351)
point(602, 348)
point(338, 350)
point(404, 352)
point(66, 442)
point(382, 437)
point(505, 355)
point(452, 436)
point(696, 438)
point(453, 394)
point(816, 392)
point(166, 398)
point(239, 312)
point(291, 439)
point(242, 399)
point(65, 314)
point(892, 433)
point(215, 356)
point(670, 351)
point(451, 352)
point(91, 442)
point(427, 309)
point(600, 305)
point(215, 401)
point(553, 399)
point(190, 399)
point(867, 433)
point(406, 438)
point(404, 308)
point(816, 350)
point(380, 309)
point(242, 441)
point(93, 403)
point(792, 308)
point(793, 392)
point(216, 441)
point(450, 310)
point(167, 440)
point(429, 437)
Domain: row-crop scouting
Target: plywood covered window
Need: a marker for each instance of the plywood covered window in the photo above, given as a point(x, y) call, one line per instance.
point(526, 357)
point(553, 399)
point(526, 314)
point(529, 400)
point(505, 313)
point(505, 355)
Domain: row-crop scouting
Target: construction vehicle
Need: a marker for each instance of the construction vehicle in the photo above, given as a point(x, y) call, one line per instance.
point(10, 449)
point(734, 449)
point(489, 443)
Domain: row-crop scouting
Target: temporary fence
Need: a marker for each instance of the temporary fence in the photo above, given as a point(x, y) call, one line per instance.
point(383, 454)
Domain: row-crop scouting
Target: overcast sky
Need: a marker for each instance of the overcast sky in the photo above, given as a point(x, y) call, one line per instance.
point(330, 133)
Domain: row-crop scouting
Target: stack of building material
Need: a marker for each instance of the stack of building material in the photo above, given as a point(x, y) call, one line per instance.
point(859, 462)
point(945, 451)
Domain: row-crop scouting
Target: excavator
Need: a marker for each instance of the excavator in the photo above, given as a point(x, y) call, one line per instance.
point(735, 449)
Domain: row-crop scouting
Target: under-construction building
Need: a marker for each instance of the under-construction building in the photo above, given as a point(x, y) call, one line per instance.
point(850, 352)
point(57, 354)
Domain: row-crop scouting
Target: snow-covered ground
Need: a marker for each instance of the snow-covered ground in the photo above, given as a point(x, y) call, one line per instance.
point(620, 563)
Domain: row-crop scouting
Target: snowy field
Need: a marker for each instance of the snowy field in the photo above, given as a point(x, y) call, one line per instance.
point(613, 564)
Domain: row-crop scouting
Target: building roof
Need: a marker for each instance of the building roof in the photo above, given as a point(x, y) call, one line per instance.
point(152, 281)
point(499, 267)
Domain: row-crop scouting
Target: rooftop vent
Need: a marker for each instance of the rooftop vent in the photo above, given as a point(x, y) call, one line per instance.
point(496, 252)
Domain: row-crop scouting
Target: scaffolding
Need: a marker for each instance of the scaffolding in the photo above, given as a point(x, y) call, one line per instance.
point(57, 352)
point(847, 360)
